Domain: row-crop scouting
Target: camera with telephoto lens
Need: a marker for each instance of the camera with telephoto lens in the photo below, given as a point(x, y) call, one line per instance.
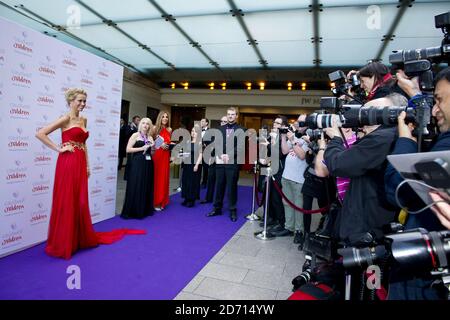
point(415, 249)
point(418, 62)
point(357, 116)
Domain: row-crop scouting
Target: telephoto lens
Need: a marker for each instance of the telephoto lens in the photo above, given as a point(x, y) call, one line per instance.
point(361, 257)
point(304, 277)
point(420, 249)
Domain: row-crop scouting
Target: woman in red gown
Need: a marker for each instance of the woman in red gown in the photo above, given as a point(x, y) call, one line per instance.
point(161, 162)
point(70, 226)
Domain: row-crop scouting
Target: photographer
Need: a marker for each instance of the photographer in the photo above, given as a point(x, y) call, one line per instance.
point(292, 181)
point(376, 81)
point(407, 144)
point(276, 208)
point(342, 183)
point(406, 285)
point(365, 209)
point(323, 188)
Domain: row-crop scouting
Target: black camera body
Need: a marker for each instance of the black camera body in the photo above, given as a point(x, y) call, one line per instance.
point(342, 85)
point(418, 62)
point(357, 115)
point(285, 130)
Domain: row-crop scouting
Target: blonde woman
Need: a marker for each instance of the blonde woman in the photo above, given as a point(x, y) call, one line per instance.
point(70, 226)
point(161, 160)
point(138, 202)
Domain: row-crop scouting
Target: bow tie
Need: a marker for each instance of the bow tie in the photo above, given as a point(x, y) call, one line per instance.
point(204, 129)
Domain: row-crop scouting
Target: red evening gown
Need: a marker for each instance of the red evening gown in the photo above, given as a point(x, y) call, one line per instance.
point(70, 225)
point(161, 164)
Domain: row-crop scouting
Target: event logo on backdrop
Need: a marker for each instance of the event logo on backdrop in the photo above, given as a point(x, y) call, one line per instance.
point(40, 213)
point(20, 108)
point(21, 75)
point(12, 238)
point(35, 71)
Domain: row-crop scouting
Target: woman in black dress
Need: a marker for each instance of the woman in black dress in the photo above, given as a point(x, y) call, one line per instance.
point(138, 202)
point(192, 170)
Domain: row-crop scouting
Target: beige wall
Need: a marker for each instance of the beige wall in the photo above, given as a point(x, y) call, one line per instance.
point(141, 93)
point(253, 98)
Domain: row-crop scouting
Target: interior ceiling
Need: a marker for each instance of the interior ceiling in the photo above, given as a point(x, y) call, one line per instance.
point(235, 40)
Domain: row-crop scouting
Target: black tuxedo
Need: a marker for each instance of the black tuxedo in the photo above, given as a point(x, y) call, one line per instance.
point(123, 141)
point(227, 175)
point(205, 167)
point(130, 129)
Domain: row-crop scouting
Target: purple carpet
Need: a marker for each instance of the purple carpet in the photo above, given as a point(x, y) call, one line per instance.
point(179, 243)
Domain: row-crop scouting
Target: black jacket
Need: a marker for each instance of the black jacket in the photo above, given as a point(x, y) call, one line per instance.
point(235, 142)
point(365, 208)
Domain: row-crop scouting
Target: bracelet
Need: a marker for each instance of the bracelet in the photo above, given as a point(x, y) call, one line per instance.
point(321, 149)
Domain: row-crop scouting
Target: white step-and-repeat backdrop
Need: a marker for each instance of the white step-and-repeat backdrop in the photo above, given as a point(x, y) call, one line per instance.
point(35, 70)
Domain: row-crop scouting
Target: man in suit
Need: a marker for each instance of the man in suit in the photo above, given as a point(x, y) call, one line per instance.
point(204, 123)
point(227, 166)
point(133, 126)
point(122, 142)
point(211, 183)
point(130, 129)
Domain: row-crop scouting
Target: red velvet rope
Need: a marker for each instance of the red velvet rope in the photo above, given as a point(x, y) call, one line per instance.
point(277, 187)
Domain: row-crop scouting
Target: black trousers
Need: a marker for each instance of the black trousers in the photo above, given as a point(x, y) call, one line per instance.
point(227, 177)
point(120, 164)
point(211, 185)
point(205, 177)
point(276, 207)
point(307, 205)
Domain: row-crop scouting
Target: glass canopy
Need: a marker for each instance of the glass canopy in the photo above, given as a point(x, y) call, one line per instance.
point(206, 34)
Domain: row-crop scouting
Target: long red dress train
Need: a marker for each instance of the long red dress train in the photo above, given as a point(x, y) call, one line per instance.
point(161, 164)
point(70, 225)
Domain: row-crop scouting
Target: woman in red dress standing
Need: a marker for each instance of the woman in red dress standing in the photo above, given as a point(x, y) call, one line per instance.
point(161, 162)
point(70, 226)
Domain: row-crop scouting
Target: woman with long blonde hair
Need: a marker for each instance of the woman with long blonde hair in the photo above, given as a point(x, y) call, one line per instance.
point(161, 161)
point(70, 227)
point(138, 202)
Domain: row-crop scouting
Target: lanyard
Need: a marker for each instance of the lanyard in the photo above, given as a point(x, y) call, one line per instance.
point(145, 139)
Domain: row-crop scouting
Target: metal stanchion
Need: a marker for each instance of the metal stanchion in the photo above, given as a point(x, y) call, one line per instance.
point(252, 216)
point(180, 156)
point(263, 235)
point(348, 286)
